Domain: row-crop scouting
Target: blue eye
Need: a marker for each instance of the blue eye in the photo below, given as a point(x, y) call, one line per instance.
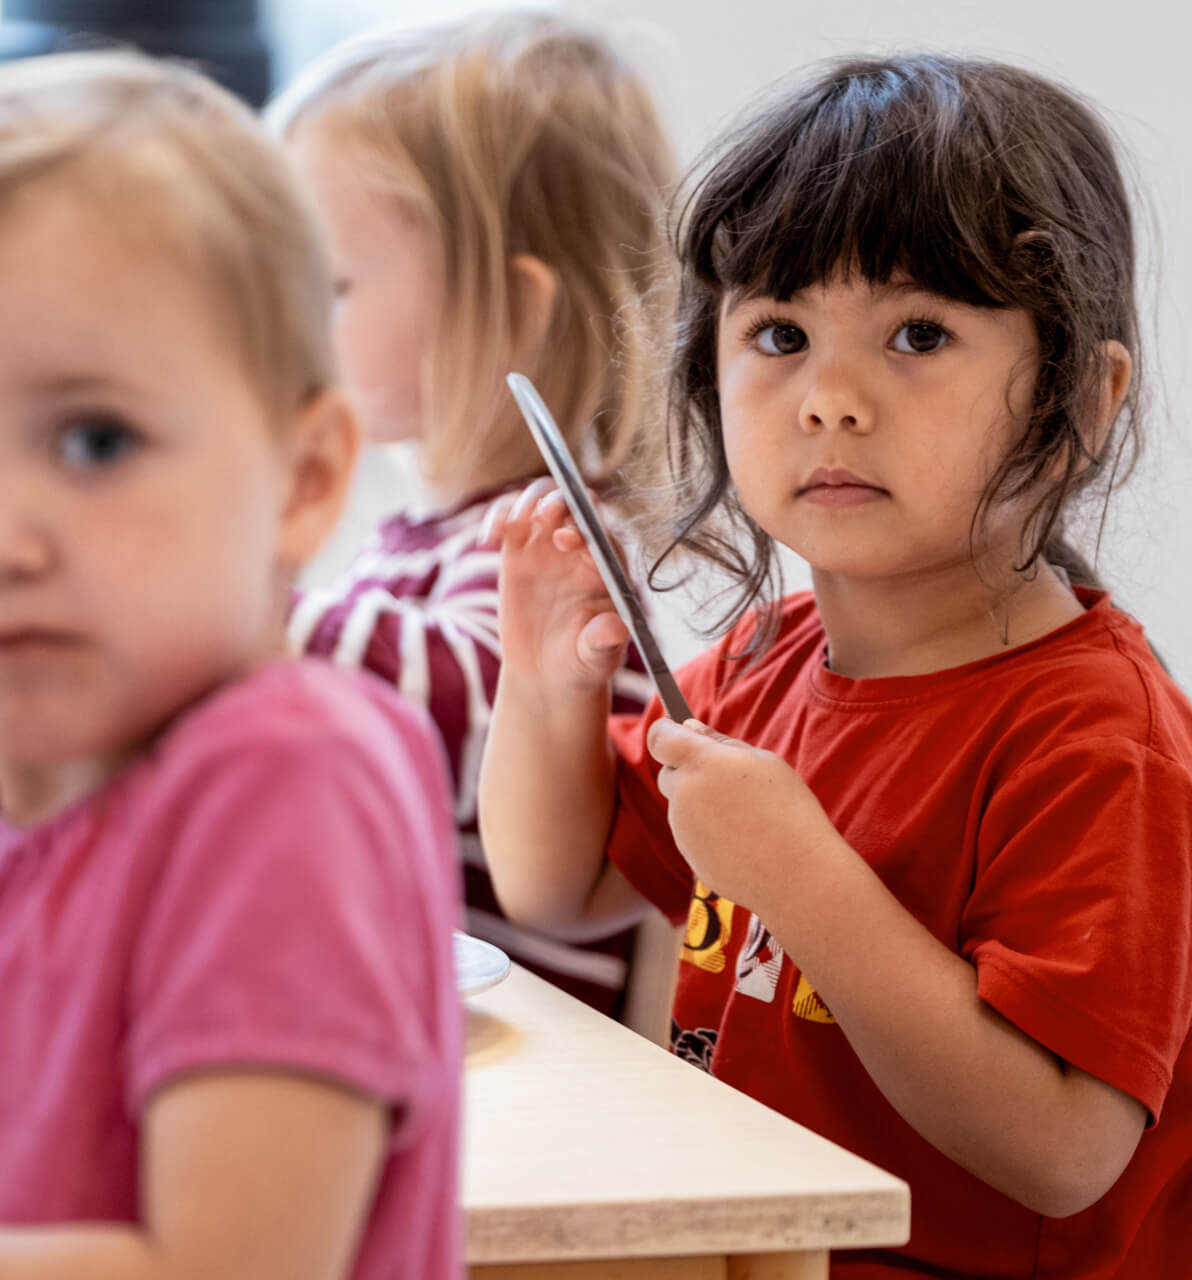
point(781, 339)
point(919, 338)
point(95, 443)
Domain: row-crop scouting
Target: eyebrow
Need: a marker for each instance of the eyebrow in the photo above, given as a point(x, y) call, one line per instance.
point(84, 383)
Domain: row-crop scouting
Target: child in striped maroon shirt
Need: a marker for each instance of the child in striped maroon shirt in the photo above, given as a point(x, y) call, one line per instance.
point(493, 196)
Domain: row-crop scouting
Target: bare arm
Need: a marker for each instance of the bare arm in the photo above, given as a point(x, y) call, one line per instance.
point(976, 1087)
point(971, 1083)
point(258, 1176)
point(546, 784)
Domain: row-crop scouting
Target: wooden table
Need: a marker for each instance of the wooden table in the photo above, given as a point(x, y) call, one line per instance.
point(592, 1154)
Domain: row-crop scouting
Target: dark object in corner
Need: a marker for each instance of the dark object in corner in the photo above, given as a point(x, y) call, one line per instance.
point(221, 37)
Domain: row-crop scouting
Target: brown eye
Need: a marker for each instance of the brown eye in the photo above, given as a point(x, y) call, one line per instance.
point(781, 339)
point(919, 338)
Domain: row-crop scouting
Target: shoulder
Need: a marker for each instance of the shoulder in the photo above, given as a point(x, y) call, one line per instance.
point(302, 790)
point(305, 701)
point(796, 623)
point(309, 729)
point(798, 640)
point(409, 561)
point(304, 888)
point(1099, 679)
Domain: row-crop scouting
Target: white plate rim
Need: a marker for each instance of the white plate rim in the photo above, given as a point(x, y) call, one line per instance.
point(498, 969)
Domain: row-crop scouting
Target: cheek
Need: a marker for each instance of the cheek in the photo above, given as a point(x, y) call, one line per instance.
point(734, 443)
point(238, 577)
point(379, 353)
point(757, 426)
point(733, 387)
point(738, 400)
point(225, 541)
point(351, 353)
point(974, 433)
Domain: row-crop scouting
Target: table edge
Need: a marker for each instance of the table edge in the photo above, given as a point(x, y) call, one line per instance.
point(637, 1228)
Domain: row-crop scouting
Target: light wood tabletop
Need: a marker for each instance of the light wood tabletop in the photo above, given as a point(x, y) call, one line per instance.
point(592, 1154)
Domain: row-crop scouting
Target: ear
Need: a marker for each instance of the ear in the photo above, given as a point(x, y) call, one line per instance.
point(1116, 370)
point(534, 290)
point(323, 447)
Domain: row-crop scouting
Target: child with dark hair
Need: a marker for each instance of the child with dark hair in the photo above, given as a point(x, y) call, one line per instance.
point(933, 838)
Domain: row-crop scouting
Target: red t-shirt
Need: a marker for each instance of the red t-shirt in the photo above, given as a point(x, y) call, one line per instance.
point(1034, 811)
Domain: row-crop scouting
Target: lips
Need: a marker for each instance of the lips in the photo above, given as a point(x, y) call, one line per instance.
point(23, 639)
point(829, 478)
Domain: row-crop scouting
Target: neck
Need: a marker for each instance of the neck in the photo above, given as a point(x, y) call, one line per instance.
point(32, 795)
point(502, 453)
point(442, 494)
point(896, 627)
point(34, 790)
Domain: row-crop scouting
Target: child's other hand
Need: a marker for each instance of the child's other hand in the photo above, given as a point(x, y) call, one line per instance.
point(558, 625)
point(747, 824)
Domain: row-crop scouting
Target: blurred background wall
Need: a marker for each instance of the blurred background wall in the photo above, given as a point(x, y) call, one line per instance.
point(707, 59)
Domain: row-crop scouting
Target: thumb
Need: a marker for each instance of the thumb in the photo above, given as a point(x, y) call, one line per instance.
point(601, 643)
point(675, 744)
point(712, 735)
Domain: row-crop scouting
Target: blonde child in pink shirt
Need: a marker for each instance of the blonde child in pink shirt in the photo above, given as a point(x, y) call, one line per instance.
point(230, 1035)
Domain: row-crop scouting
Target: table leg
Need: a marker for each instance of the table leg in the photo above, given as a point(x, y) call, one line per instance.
point(699, 1268)
point(744, 1266)
point(778, 1266)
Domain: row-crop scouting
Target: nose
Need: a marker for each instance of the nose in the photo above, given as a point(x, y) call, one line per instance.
point(836, 399)
point(26, 553)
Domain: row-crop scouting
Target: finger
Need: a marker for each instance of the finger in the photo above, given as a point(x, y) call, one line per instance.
point(526, 501)
point(552, 500)
point(568, 538)
point(601, 634)
point(672, 744)
point(495, 519)
point(666, 778)
point(551, 514)
point(705, 731)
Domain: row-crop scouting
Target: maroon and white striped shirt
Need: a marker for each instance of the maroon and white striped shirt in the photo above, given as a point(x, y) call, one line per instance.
point(418, 606)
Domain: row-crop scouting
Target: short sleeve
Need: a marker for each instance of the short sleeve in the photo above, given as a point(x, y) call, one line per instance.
point(1080, 920)
point(302, 917)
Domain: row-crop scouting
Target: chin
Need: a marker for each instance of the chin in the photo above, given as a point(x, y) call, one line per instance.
point(47, 746)
point(856, 569)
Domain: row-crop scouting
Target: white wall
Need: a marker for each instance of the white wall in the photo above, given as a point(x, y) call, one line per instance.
point(300, 28)
point(709, 57)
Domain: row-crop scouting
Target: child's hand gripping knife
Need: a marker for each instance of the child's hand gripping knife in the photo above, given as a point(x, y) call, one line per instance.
point(747, 824)
point(546, 785)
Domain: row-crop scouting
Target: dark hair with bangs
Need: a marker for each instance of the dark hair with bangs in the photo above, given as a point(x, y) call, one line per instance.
point(983, 183)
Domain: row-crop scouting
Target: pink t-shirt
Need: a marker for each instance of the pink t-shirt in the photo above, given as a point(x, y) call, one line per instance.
point(274, 885)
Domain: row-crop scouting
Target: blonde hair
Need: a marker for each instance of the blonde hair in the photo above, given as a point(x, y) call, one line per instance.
point(506, 134)
point(161, 150)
